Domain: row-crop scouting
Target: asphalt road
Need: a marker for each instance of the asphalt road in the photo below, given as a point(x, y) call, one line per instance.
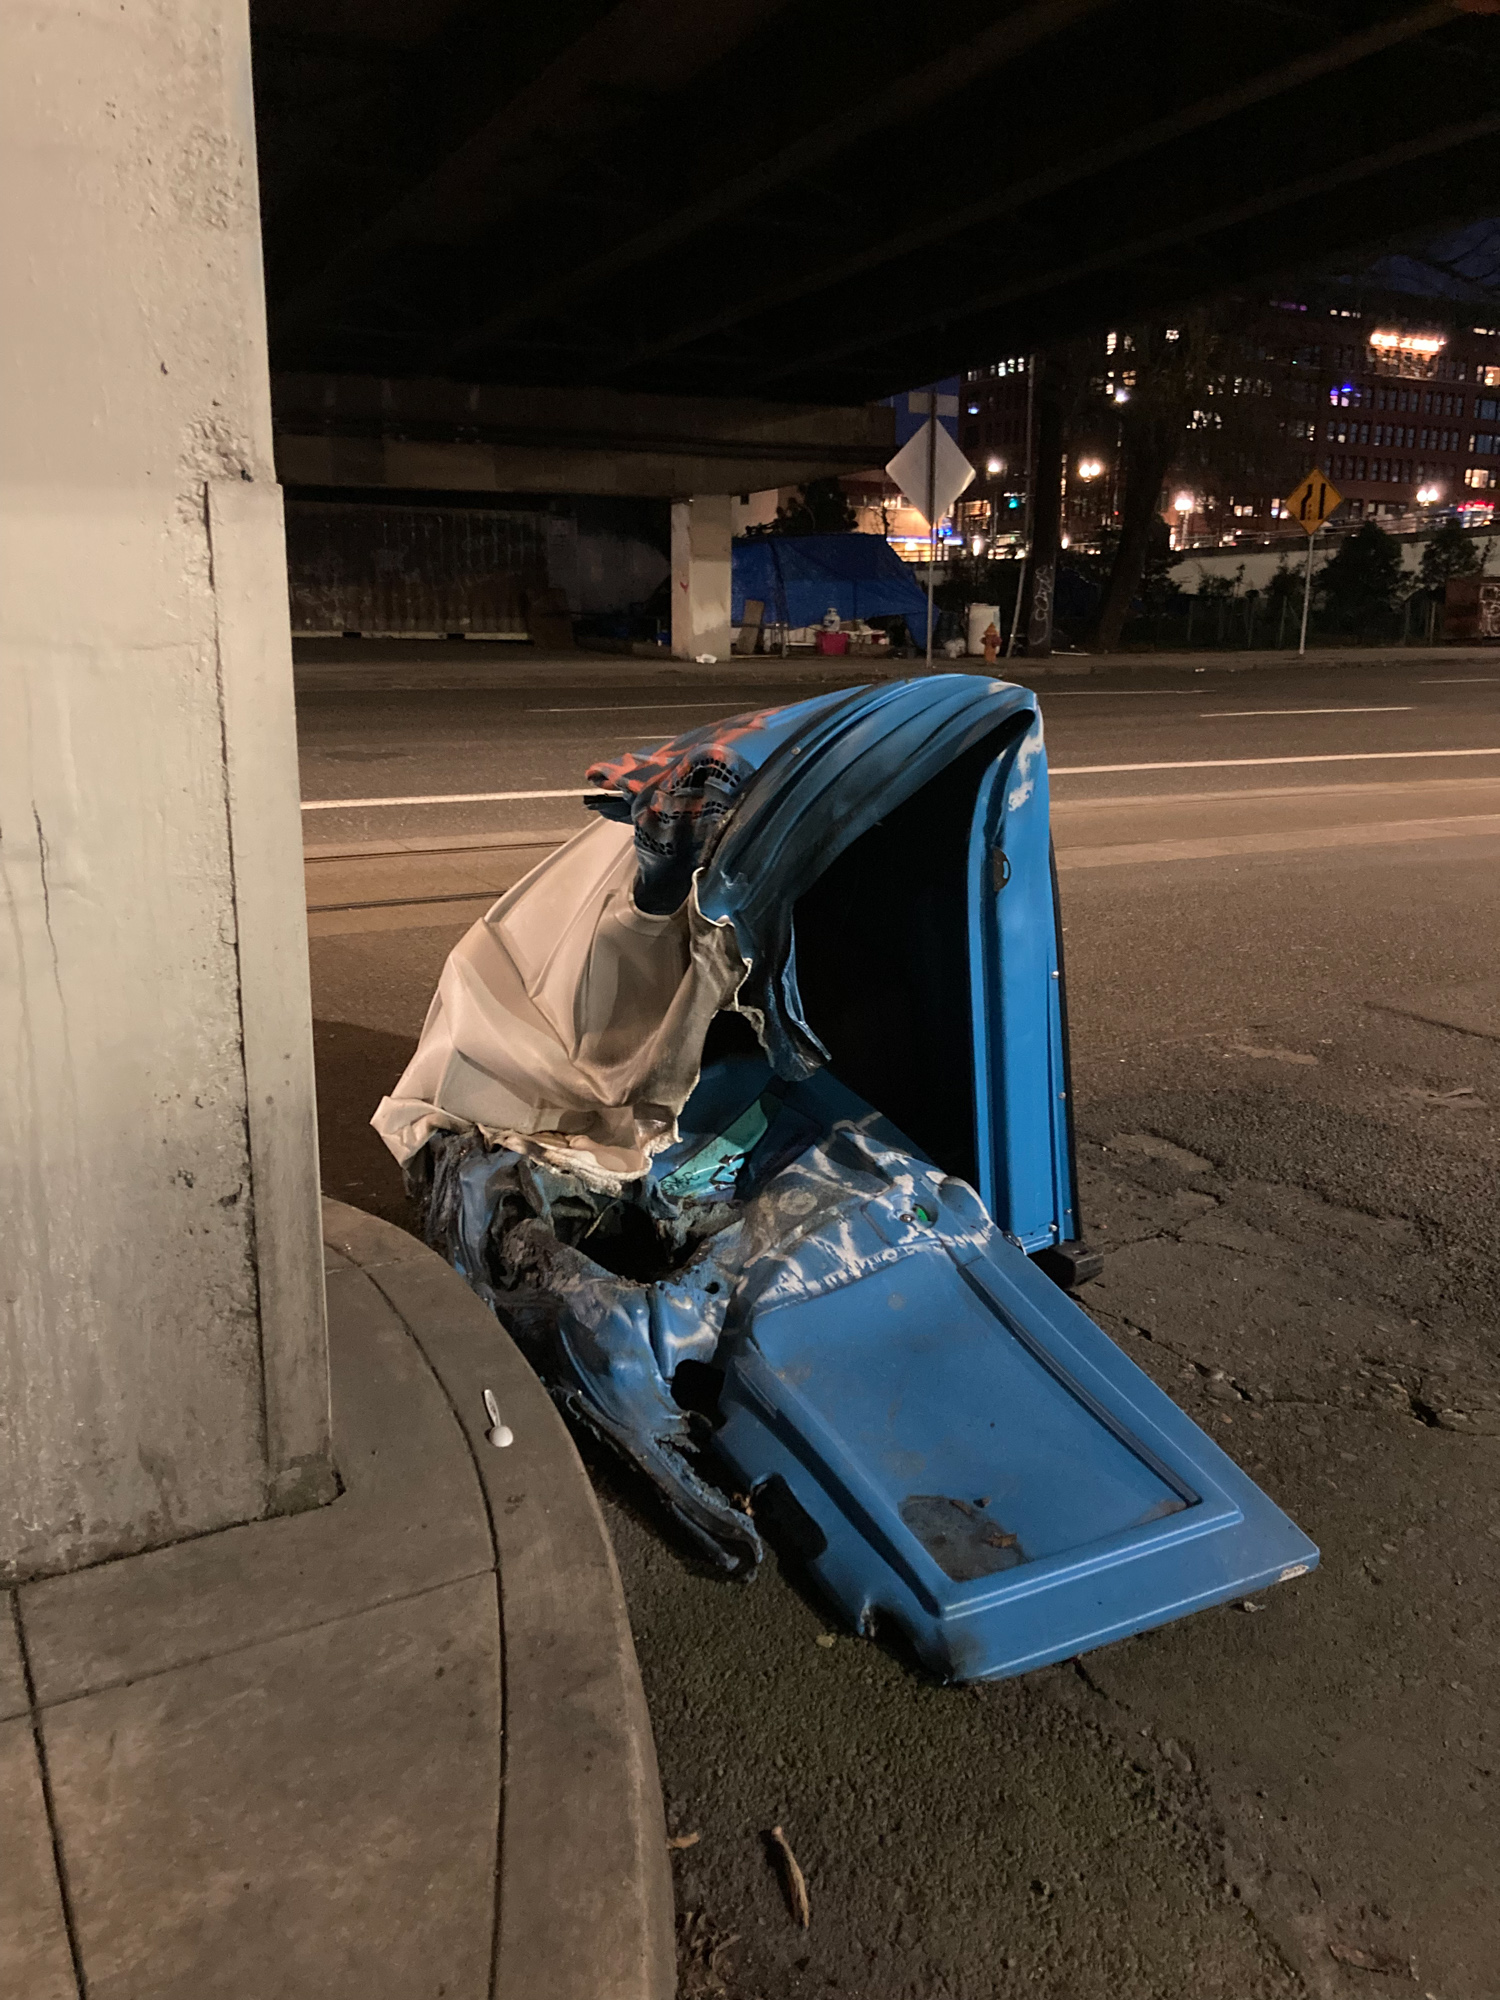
point(400, 764)
point(1285, 994)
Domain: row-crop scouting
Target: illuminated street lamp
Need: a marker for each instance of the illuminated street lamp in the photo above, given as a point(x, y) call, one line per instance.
point(994, 465)
point(1090, 468)
point(1428, 496)
point(1183, 505)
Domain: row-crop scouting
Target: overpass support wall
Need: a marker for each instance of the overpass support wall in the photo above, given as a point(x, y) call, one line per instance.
point(162, 1354)
point(702, 564)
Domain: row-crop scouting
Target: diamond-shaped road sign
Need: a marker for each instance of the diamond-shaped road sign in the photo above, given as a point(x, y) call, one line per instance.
point(1312, 502)
point(949, 470)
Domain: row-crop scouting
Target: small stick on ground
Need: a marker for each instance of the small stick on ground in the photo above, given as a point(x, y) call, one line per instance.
point(796, 1881)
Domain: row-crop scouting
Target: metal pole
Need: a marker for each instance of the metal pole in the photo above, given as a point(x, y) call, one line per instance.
point(1015, 623)
point(1306, 594)
point(932, 526)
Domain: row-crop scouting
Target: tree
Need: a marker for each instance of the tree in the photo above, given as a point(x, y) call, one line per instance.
point(1360, 583)
point(1451, 552)
point(1222, 586)
point(1195, 402)
point(821, 507)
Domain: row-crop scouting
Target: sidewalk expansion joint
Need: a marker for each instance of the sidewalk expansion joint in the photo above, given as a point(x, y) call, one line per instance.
point(250, 1645)
point(49, 1806)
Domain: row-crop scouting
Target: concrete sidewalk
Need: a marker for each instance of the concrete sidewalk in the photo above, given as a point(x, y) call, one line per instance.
point(394, 1747)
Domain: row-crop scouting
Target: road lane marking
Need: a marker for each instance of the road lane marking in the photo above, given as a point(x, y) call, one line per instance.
point(1390, 708)
point(316, 852)
point(425, 845)
point(486, 896)
point(1113, 854)
point(1058, 771)
point(1258, 763)
point(629, 708)
point(445, 799)
point(1226, 846)
point(454, 918)
point(1463, 681)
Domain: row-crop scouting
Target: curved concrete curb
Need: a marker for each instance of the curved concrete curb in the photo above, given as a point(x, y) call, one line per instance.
point(585, 1894)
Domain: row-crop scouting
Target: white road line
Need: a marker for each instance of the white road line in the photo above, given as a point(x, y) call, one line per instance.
point(1389, 708)
point(441, 799)
point(1257, 763)
point(1058, 771)
point(629, 708)
point(1463, 681)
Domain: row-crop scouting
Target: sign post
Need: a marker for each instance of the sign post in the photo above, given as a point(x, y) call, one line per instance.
point(1310, 506)
point(1306, 594)
point(931, 464)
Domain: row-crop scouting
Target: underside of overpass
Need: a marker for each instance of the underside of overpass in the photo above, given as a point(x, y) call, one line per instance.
point(816, 201)
point(662, 248)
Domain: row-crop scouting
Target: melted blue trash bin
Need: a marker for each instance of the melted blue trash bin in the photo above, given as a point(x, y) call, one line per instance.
point(846, 1324)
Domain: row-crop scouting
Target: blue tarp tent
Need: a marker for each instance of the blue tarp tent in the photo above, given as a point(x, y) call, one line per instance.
point(797, 577)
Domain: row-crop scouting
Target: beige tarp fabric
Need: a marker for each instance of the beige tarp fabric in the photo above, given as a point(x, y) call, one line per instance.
point(567, 1023)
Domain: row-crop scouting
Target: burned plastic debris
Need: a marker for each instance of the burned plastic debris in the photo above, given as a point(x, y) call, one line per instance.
point(748, 1111)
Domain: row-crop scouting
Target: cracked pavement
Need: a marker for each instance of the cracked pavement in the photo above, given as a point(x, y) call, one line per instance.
point(1294, 1798)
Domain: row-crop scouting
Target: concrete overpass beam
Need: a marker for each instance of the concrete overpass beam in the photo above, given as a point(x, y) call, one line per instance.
point(701, 575)
point(162, 1353)
point(353, 431)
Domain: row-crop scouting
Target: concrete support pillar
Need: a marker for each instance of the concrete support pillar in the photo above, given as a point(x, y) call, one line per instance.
point(1046, 510)
point(162, 1351)
point(701, 564)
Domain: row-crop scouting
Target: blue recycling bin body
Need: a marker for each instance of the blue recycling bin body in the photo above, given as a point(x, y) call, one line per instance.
point(957, 1450)
point(903, 1400)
